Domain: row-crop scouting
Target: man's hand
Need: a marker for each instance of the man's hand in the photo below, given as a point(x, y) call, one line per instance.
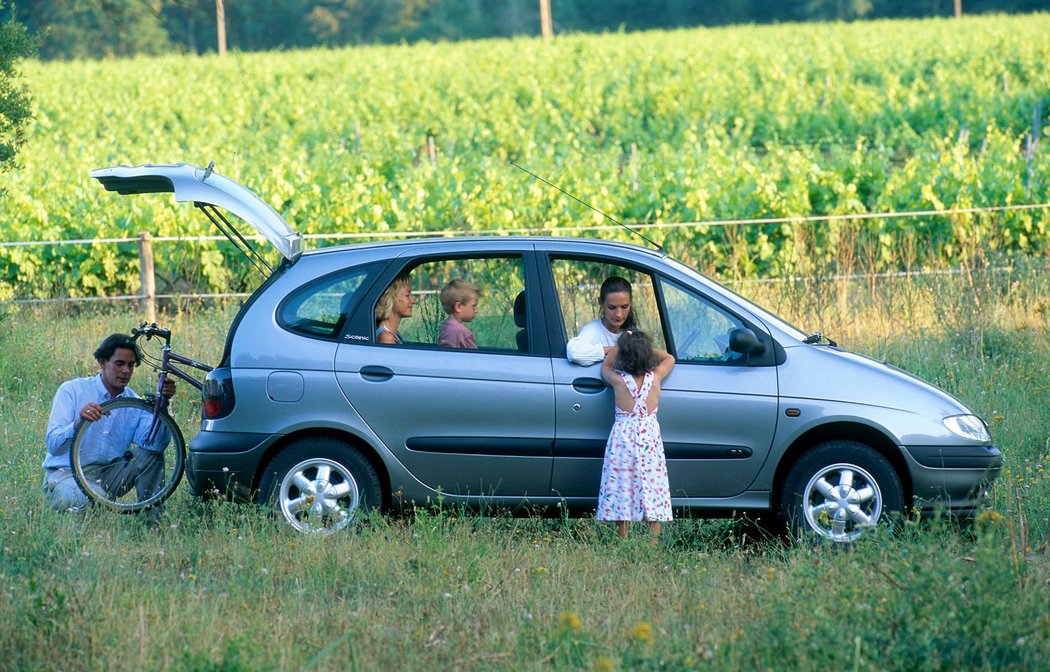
point(91, 411)
point(169, 388)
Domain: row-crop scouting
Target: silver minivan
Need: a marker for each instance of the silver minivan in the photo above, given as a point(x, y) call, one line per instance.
point(307, 412)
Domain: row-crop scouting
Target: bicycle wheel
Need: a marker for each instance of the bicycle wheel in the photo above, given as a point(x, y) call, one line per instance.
point(117, 464)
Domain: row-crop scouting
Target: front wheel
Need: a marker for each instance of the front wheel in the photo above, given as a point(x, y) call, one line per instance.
point(838, 490)
point(120, 463)
point(319, 484)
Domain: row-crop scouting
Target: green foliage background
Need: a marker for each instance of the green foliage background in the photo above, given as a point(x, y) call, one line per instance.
point(673, 126)
point(15, 101)
point(108, 28)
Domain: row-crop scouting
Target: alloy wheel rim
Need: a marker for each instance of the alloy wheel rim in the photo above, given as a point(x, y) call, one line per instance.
point(841, 501)
point(319, 495)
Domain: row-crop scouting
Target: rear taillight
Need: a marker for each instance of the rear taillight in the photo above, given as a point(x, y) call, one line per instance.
point(217, 394)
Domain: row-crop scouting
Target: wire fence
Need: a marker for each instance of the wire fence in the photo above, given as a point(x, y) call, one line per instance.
point(393, 235)
point(447, 233)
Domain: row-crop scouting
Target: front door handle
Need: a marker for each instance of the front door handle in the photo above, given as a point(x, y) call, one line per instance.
point(588, 385)
point(376, 374)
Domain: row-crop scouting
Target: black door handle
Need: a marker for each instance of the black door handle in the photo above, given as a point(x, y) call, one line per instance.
point(588, 385)
point(376, 374)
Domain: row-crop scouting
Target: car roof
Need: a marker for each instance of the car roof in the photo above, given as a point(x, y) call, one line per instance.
point(484, 243)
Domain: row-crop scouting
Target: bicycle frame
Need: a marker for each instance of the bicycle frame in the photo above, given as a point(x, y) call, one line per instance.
point(160, 402)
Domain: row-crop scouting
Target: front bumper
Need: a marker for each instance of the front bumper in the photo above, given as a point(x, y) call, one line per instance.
point(225, 464)
point(951, 478)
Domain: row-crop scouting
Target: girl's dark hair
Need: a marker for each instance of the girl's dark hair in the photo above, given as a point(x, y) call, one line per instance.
point(636, 355)
point(110, 344)
point(613, 284)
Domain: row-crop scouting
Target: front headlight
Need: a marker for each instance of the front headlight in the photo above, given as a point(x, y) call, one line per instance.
point(968, 427)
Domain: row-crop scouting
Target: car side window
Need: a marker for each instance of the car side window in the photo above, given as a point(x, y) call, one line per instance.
point(320, 308)
point(699, 328)
point(579, 281)
point(499, 322)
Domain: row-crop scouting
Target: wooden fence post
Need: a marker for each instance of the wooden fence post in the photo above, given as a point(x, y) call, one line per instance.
point(546, 24)
point(149, 285)
point(220, 25)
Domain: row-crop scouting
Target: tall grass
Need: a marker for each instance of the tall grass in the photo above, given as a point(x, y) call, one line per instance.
point(222, 586)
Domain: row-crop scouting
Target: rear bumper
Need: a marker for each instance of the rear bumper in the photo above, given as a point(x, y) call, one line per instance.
point(225, 464)
point(951, 478)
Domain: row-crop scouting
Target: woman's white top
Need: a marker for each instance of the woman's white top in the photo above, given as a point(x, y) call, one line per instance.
point(588, 346)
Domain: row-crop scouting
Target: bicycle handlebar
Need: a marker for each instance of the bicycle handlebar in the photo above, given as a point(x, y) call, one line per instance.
point(151, 330)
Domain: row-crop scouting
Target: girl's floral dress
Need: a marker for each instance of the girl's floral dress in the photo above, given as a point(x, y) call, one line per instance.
point(634, 475)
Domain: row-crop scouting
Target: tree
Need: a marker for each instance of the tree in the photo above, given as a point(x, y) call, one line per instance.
point(15, 102)
point(98, 28)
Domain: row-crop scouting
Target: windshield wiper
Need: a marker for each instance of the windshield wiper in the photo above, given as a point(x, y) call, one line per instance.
point(816, 337)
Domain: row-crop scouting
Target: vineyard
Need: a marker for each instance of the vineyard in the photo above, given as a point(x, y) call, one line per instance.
point(704, 125)
point(823, 128)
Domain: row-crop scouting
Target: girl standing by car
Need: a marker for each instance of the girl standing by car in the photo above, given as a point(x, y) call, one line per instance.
point(634, 483)
point(596, 337)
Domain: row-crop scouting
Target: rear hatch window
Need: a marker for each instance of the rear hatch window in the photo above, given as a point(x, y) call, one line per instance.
point(320, 309)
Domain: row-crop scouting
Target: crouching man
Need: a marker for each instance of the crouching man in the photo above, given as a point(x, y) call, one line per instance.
point(112, 436)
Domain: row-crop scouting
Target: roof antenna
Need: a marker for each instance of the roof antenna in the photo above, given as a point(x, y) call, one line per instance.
point(208, 170)
point(609, 217)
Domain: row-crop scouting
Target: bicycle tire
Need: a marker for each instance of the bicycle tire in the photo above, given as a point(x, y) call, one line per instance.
point(122, 483)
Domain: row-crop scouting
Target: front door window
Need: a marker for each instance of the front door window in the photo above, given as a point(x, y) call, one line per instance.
point(700, 329)
point(579, 281)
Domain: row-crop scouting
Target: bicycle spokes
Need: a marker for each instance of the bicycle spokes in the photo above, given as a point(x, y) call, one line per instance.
point(131, 459)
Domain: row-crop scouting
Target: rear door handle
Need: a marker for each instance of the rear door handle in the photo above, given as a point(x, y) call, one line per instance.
point(376, 374)
point(588, 385)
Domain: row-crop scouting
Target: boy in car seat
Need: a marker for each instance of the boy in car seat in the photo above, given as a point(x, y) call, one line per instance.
point(459, 298)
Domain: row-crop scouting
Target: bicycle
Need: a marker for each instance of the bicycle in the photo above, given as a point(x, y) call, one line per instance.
point(148, 470)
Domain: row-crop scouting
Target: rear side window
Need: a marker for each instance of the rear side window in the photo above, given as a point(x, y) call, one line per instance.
point(321, 308)
point(495, 326)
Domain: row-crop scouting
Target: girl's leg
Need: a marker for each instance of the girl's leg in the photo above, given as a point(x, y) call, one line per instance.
point(621, 528)
point(654, 528)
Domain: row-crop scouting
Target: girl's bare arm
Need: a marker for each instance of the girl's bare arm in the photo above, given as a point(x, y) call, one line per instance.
point(608, 373)
point(663, 369)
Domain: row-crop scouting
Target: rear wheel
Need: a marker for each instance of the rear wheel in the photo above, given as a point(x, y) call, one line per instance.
point(134, 477)
point(320, 484)
point(839, 490)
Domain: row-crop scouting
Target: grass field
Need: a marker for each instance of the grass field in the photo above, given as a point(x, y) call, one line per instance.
point(221, 587)
point(755, 121)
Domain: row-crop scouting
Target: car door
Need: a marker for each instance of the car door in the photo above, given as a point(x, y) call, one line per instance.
point(467, 422)
point(717, 409)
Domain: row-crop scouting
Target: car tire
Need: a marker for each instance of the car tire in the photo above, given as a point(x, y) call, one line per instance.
point(838, 490)
point(319, 485)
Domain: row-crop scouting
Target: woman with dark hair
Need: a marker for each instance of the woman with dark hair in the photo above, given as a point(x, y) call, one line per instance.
point(598, 336)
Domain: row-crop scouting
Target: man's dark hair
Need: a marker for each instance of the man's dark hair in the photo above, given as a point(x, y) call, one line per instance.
point(114, 341)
